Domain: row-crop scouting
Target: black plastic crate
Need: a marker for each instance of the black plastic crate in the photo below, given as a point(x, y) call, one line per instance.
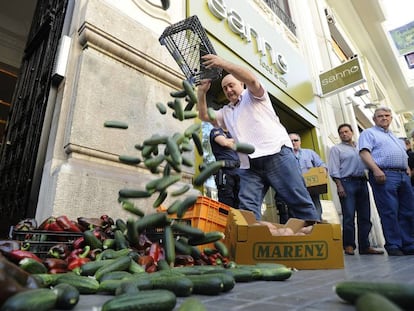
point(40, 241)
point(156, 234)
point(187, 41)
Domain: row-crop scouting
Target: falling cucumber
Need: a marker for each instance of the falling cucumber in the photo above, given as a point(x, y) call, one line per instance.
point(116, 124)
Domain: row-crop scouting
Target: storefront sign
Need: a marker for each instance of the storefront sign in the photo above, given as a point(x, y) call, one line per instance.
point(271, 60)
point(341, 78)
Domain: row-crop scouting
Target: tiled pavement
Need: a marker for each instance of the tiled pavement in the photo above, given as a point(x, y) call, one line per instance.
point(308, 290)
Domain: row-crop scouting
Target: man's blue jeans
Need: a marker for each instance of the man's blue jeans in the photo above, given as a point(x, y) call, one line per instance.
point(281, 172)
point(395, 205)
point(356, 201)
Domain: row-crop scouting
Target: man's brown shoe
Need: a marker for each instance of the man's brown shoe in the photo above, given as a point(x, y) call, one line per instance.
point(349, 250)
point(371, 251)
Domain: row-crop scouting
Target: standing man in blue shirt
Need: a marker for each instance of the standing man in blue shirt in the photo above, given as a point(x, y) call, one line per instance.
point(227, 179)
point(307, 159)
point(348, 172)
point(385, 156)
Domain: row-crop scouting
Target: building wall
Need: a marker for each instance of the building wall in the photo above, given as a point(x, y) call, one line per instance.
point(117, 70)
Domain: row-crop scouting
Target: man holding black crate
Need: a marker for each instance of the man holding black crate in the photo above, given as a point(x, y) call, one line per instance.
point(251, 118)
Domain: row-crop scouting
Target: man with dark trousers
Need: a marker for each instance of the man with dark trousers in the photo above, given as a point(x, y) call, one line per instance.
point(385, 156)
point(227, 179)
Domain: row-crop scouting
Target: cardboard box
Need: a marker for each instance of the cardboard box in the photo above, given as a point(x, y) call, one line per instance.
point(249, 243)
point(316, 180)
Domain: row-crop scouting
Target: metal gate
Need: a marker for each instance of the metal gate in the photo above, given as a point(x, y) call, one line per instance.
point(24, 127)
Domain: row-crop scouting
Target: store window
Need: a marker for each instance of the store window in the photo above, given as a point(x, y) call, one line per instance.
point(282, 10)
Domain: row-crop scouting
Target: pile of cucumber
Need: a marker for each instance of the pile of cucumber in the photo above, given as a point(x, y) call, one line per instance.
point(381, 296)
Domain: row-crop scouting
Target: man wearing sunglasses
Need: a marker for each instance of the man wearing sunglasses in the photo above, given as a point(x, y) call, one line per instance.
point(307, 158)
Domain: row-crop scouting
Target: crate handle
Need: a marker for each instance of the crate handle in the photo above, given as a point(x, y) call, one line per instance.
point(223, 211)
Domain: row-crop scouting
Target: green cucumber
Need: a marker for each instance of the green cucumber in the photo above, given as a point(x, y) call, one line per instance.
point(132, 231)
point(186, 204)
point(129, 159)
point(173, 208)
point(120, 225)
point(147, 150)
point(399, 293)
point(160, 199)
point(190, 114)
point(161, 108)
point(115, 275)
point(32, 266)
point(46, 279)
point(89, 268)
point(178, 109)
point(209, 237)
point(192, 304)
point(190, 91)
point(244, 148)
point(92, 240)
point(206, 284)
point(210, 170)
point(84, 284)
point(182, 247)
point(153, 300)
point(193, 128)
point(169, 245)
point(67, 296)
point(180, 285)
point(174, 150)
point(130, 207)
point(152, 163)
point(155, 139)
point(116, 124)
point(121, 241)
point(187, 162)
point(39, 299)
point(181, 190)
point(373, 301)
point(127, 287)
point(179, 94)
point(186, 147)
point(134, 193)
point(275, 274)
point(173, 164)
point(222, 248)
point(197, 143)
point(167, 181)
point(187, 230)
point(152, 221)
point(211, 114)
point(110, 286)
point(241, 275)
point(119, 264)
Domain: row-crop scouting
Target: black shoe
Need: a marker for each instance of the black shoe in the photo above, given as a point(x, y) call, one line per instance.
point(371, 251)
point(409, 252)
point(395, 252)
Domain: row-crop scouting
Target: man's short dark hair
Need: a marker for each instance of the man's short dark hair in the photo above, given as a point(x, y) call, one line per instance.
point(345, 125)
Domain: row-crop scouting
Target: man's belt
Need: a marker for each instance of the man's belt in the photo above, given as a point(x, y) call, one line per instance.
point(354, 178)
point(231, 164)
point(393, 169)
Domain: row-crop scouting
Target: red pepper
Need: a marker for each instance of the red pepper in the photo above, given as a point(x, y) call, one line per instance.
point(54, 226)
point(59, 251)
point(67, 224)
point(154, 252)
point(78, 253)
point(55, 263)
point(45, 225)
point(57, 271)
point(77, 263)
point(17, 255)
point(78, 243)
